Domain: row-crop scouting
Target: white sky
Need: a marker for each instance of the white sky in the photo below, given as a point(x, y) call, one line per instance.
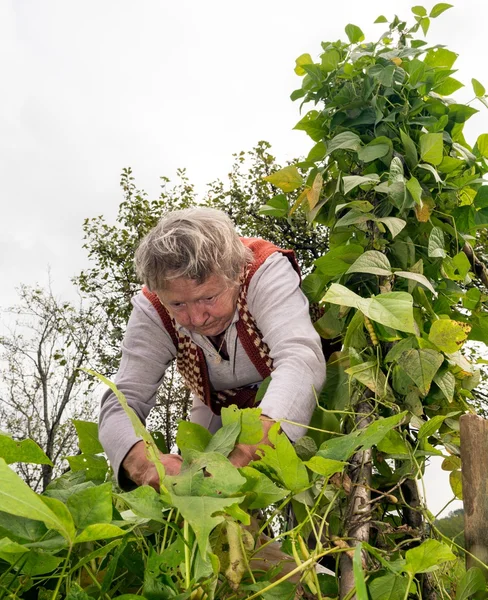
point(90, 87)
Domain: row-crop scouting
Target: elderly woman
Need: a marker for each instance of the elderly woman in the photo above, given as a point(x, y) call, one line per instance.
point(231, 312)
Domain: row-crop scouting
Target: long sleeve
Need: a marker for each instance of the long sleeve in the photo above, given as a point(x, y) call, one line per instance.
point(147, 350)
point(281, 311)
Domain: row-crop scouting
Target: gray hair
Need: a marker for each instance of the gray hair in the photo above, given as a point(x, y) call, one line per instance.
point(194, 243)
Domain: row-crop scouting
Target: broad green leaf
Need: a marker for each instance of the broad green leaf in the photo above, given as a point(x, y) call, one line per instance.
point(353, 217)
point(436, 243)
point(29, 562)
point(451, 463)
point(415, 189)
point(91, 505)
point(427, 557)
point(372, 152)
point(330, 59)
point(373, 262)
point(362, 205)
point(26, 451)
point(284, 461)
point(472, 581)
point(347, 140)
point(99, 552)
point(446, 88)
point(394, 444)
point(378, 429)
point(264, 491)
point(99, 531)
point(224, 440)
point(430, 427)
point(325, 466)
point(456, 481)
point(304, 59)
point(438, 9)
point(359, 580)
point(338, 260)
point(414, 404)
point(275, 207)
point(95, 466)
point(354, 33)
point(431, 148)
point(394, 224)
point(478, 88)
point(88, 437)
point(200, 512)
point(420, 11)
point(192, 436)
point(16, 498)
point(317, 153)
point(372, 377)
point(381, 19)
point(447, 383)
point(448, 335)
point(425, 24)
point(249, 418)
point(399, 348)
point(394, 309)
point(388, 587)
point(411, 156)
point(145, 502)
point(421, 366)
point(340, 448)
point(482, 144)
point(418, 277)
point(287, 179)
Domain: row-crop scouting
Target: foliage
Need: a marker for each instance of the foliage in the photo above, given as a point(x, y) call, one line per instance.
point(393, 177)
point(452, 526)
point(41, 383)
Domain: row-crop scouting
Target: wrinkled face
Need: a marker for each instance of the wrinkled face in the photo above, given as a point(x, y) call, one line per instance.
point(206, 308)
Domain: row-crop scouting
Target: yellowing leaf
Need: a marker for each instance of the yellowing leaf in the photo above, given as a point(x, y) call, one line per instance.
point(301, 198)
point(287, 179)
point(304, 59)
point(448, 335)
point(313, 194)
point(397, 61)
point(424, 210)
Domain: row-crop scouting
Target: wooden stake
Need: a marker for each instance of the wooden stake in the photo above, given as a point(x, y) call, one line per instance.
point(474, 457)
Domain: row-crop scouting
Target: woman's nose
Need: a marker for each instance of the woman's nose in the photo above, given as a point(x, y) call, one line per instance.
point(197, 314)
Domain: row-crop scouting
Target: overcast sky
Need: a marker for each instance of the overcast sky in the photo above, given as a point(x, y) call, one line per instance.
point(90, 87)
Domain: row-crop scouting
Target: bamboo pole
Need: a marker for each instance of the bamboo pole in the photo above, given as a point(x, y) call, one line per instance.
point(474, 458)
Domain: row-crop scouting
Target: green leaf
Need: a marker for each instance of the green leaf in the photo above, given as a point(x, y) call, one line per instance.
point(456, 481)
point(388, 587)
point(275, 207)
point(472, 581)
point(420, 11)
point(446, 88)
point(95, 467)
point(372, 152)
point(99, 531)
point(482, 144)
point(264, 491)
point(224, 440)
point(436, 243)
point(249, 418)
point(411, 156)
point(425, 24)
point(287, 179)
point(304, 59)
point(369, 375)
point(394, 309)
point(448, 335)
point(451, 463)
point(478, 88)
point(88, 437)
point(16, 498)
point(378, 429)
point(330, 60)
point(421, 366)
point(381, 19)
point(427, 557)
point(354, 33)
point(91, 505)
point(26, 451)
point(438, 9)
point(192, 436)
point(431, 426)
point(373, 262)
point(394, 224)
point(415, 189)
point(338, 260)
point(447, 384)
point(145, 502)
point(317, 153)
point(394, 444)
point(325, 466)
point(359, 580)
point(418, 277)
point(347, 140)
point(431, 148)
point(284, 461)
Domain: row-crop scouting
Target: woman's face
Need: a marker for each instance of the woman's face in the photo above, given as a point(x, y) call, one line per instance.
point(206, 308)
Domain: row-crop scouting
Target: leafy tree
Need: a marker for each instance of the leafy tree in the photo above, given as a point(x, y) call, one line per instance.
point(393, 177)
point(41, 386)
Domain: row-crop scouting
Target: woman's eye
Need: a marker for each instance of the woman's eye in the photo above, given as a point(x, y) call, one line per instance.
point(209, 299)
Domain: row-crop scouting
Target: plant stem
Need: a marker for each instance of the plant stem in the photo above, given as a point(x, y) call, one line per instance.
point(186, 535)
point(61, 577)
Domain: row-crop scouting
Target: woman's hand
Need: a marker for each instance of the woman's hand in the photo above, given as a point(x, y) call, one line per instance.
point(243, 454)
point(142, 471)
